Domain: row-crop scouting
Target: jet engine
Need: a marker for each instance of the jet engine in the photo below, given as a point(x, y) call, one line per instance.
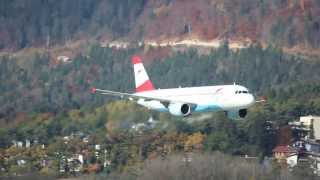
point(242, 113)
point(180, 109)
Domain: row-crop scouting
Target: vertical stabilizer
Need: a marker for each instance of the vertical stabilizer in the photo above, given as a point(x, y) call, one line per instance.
point(141, 77)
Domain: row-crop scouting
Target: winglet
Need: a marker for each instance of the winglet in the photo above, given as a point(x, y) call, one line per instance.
point(93, 90)
point(136, 59)
point(262, 99)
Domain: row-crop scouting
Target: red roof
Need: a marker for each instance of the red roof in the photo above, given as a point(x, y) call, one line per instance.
point(284, 149)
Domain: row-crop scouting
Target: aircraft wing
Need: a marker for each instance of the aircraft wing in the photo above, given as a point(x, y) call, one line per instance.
point(164, 101)
point(262, 100)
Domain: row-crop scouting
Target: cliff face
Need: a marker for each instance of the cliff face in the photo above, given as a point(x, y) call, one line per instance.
point(285, 23)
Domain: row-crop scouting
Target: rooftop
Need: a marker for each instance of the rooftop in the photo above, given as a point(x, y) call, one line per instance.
point(284, 149)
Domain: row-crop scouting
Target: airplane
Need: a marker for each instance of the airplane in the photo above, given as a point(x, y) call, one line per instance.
point(234, 99)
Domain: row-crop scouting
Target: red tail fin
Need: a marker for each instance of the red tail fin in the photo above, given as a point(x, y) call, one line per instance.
point(142, 80)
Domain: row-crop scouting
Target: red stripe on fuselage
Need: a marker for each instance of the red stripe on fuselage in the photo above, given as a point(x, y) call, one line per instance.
point(135, 59)
point(146, 86)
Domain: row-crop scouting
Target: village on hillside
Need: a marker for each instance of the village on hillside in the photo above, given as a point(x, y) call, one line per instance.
point(301, 147)
point(304, 148)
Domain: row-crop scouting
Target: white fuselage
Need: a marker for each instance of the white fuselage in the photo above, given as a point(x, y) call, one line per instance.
point(233, 99)
point(206, 98)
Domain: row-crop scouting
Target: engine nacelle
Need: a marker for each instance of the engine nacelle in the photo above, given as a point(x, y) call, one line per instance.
point(242, 113)
point(179, 109)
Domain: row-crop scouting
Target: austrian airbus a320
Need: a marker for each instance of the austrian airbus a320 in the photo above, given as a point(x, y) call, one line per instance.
point(232, 99)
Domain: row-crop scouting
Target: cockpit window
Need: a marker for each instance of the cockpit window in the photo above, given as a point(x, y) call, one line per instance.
point(241, 92)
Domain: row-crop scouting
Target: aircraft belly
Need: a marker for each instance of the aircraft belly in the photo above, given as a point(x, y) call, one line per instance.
point(208, 108)
point(204, 103)
point(155, 105)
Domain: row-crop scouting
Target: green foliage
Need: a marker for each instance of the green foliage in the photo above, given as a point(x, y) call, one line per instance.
point(289, 82)
point(56, 102)
point(37, 86)
point(4, 137)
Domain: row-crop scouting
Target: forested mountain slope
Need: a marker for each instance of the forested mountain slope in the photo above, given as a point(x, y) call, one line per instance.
point(287, 23)
point(49, 22)
point(36, 85)
point(44, 100)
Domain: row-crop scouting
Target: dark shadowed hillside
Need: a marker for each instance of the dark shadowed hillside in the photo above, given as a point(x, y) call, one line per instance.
point(48, 22)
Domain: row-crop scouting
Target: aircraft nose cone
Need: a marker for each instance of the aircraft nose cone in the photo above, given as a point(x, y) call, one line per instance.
point(245, 101)
point(250, 99)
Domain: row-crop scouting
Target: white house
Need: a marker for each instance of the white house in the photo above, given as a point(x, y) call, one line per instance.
point(312, 146)
point(28, 143)
point(21, 162)
point(292, 160)
point(308, 120)
point(64, 59)
point(316, 127)
point(310, 124)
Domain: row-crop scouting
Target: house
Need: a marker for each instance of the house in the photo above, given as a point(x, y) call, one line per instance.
point(97, 147)
point(64, 59)
point(71, 164)
point(28, 143)
point(314, 158)
point(19, 144)
point(85, 139)
point(282, 152)
point(151, 123)
point(21, 162)
point(308, 126)
point(118, 45)
point(292, 160)
point(66, 138)
point(312, 146)
point(306, 120)
point(316, 127)
point(75, 163)
point(138, 127)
